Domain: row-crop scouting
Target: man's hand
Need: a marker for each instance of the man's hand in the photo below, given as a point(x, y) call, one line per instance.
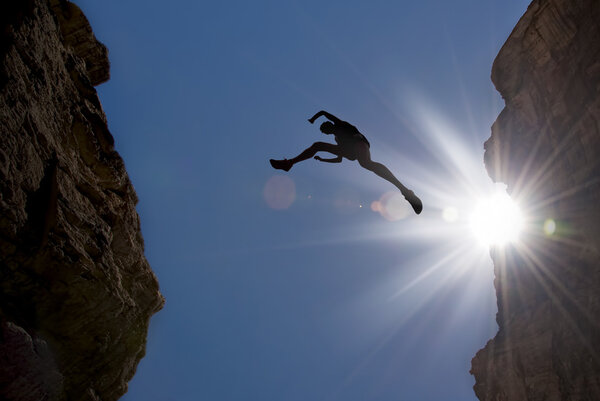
point(333, 160)
point(317, 115)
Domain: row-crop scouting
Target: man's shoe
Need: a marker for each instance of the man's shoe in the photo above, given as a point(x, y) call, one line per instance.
point(284, 164)
point(414, 201)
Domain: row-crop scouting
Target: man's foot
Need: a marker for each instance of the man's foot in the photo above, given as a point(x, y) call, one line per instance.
point(284, 164)
point(414, 201)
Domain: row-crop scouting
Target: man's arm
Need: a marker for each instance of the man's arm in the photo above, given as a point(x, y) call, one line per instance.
point(327, 115)
point(333, 160)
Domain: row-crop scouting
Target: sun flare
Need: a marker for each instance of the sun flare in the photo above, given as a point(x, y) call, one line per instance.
point(496, 220)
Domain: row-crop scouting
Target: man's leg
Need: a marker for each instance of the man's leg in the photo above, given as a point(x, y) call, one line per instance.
point(364, 159)
point(309, 152)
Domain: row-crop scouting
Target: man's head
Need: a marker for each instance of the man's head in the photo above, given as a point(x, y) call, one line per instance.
point(327, 127)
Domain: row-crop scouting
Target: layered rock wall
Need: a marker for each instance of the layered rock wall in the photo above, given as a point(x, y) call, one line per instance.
point(545, 146)
point(76, 292)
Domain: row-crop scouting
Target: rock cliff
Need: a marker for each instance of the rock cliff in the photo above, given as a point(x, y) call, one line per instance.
point(76, 292)
point(545, 145)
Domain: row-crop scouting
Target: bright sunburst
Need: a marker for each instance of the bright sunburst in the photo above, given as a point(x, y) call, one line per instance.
point(496, 220)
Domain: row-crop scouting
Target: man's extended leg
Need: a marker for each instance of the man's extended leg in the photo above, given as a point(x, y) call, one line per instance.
point(365, 161)
point(386, 174)
point(286, 164)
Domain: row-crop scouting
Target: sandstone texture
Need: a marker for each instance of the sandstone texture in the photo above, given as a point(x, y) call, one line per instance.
point(545, 145)
point(76, 292)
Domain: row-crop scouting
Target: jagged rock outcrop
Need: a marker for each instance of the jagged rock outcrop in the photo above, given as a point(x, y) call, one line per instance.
point(76, 292)
point(545, 146)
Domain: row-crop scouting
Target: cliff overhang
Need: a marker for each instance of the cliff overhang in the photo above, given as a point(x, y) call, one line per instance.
point(545, 145)
point(76, 291)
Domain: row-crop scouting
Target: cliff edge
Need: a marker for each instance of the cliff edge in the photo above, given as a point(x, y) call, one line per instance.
point(545, 145)
point(76, 292)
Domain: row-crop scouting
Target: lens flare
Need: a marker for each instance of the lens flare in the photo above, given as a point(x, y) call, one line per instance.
point(346, 201)
point(392, 206)
point(549, 227)
point(496, 220)
point(279, 192)
point(450, 214)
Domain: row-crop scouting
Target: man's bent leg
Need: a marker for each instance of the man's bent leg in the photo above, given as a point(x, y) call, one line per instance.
point(306, 154)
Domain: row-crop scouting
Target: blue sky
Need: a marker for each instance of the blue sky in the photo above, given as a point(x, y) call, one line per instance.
point(325, 299)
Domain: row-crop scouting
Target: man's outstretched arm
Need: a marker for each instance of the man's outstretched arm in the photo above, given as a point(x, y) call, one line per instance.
point(333, 160)
point(327, 115)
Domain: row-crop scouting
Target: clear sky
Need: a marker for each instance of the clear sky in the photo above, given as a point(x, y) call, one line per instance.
point(295, 286)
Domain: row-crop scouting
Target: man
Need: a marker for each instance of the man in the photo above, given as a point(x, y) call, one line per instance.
point(352, 145)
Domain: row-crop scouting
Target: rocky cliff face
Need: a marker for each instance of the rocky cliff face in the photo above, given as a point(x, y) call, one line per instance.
point(76, 292)
point(545, 146)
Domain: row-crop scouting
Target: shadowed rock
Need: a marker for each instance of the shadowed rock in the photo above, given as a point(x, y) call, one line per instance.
point(76, 292)
point(545, 146)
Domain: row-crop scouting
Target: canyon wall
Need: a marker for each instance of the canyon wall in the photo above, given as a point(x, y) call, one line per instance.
point(545, 145)
point(76, 292)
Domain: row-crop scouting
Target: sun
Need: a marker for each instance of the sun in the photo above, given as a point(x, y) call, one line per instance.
point(496, 220)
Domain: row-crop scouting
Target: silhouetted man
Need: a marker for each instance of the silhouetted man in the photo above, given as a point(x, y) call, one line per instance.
point(352, 145)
